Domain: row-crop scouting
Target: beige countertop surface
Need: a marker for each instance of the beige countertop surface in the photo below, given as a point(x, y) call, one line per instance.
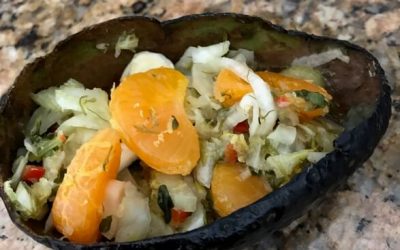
point(364, 214)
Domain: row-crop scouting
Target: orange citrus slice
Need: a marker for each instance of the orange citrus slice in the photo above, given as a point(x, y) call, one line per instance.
point(282, 84)
point(77, 209)
point(229, 88)
point(233, 187)
point(148, 111)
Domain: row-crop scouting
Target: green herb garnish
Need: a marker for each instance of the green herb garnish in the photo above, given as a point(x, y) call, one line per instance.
point(165, 202)
point(84, 100)
point(40, 147)
point(105, 224)
point(316, 99)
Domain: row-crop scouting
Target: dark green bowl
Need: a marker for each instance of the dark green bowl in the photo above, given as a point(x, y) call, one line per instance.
point(361, 83)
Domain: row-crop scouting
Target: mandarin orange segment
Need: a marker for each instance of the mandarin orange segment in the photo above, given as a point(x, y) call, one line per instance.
point(233, 188)
point(283, 84)
point(230, 88)
point(77, 209)
point(148, 111)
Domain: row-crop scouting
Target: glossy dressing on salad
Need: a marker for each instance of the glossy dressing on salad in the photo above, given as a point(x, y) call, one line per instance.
point(172, 148)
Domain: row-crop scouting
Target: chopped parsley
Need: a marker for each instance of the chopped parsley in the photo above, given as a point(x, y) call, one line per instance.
point(105, 224)
point(165, 202)
point(314, 98)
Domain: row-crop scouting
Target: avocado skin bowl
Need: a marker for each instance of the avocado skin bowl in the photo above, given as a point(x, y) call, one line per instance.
point(360, 83)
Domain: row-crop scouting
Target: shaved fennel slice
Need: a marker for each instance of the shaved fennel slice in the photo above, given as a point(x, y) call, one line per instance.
point(262, 94)
point(283, 134)
point(314, 157)
point(72, 96)
point(82, 121)
point(209, 53)
point(158, 227)
point(144, 61)
point(46, 99)
point(202, 102)
point(202, 54)
point(235, 115)
point(42, 119)
point(126, 41)
point(248, 103)
point(196, 220)
point(315, 60)
point(186, 60)
point(111, 206)
point(205, 129)
point(242, 56)
point(134, 224)
point(182, 194)
point(127, 157)
point(202, 79)
point(211, 152)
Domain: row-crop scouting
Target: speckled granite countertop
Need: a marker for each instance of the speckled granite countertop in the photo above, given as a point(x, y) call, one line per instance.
point(365, 214)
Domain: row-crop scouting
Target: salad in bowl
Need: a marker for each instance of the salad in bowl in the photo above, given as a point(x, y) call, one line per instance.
point(172, 147)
